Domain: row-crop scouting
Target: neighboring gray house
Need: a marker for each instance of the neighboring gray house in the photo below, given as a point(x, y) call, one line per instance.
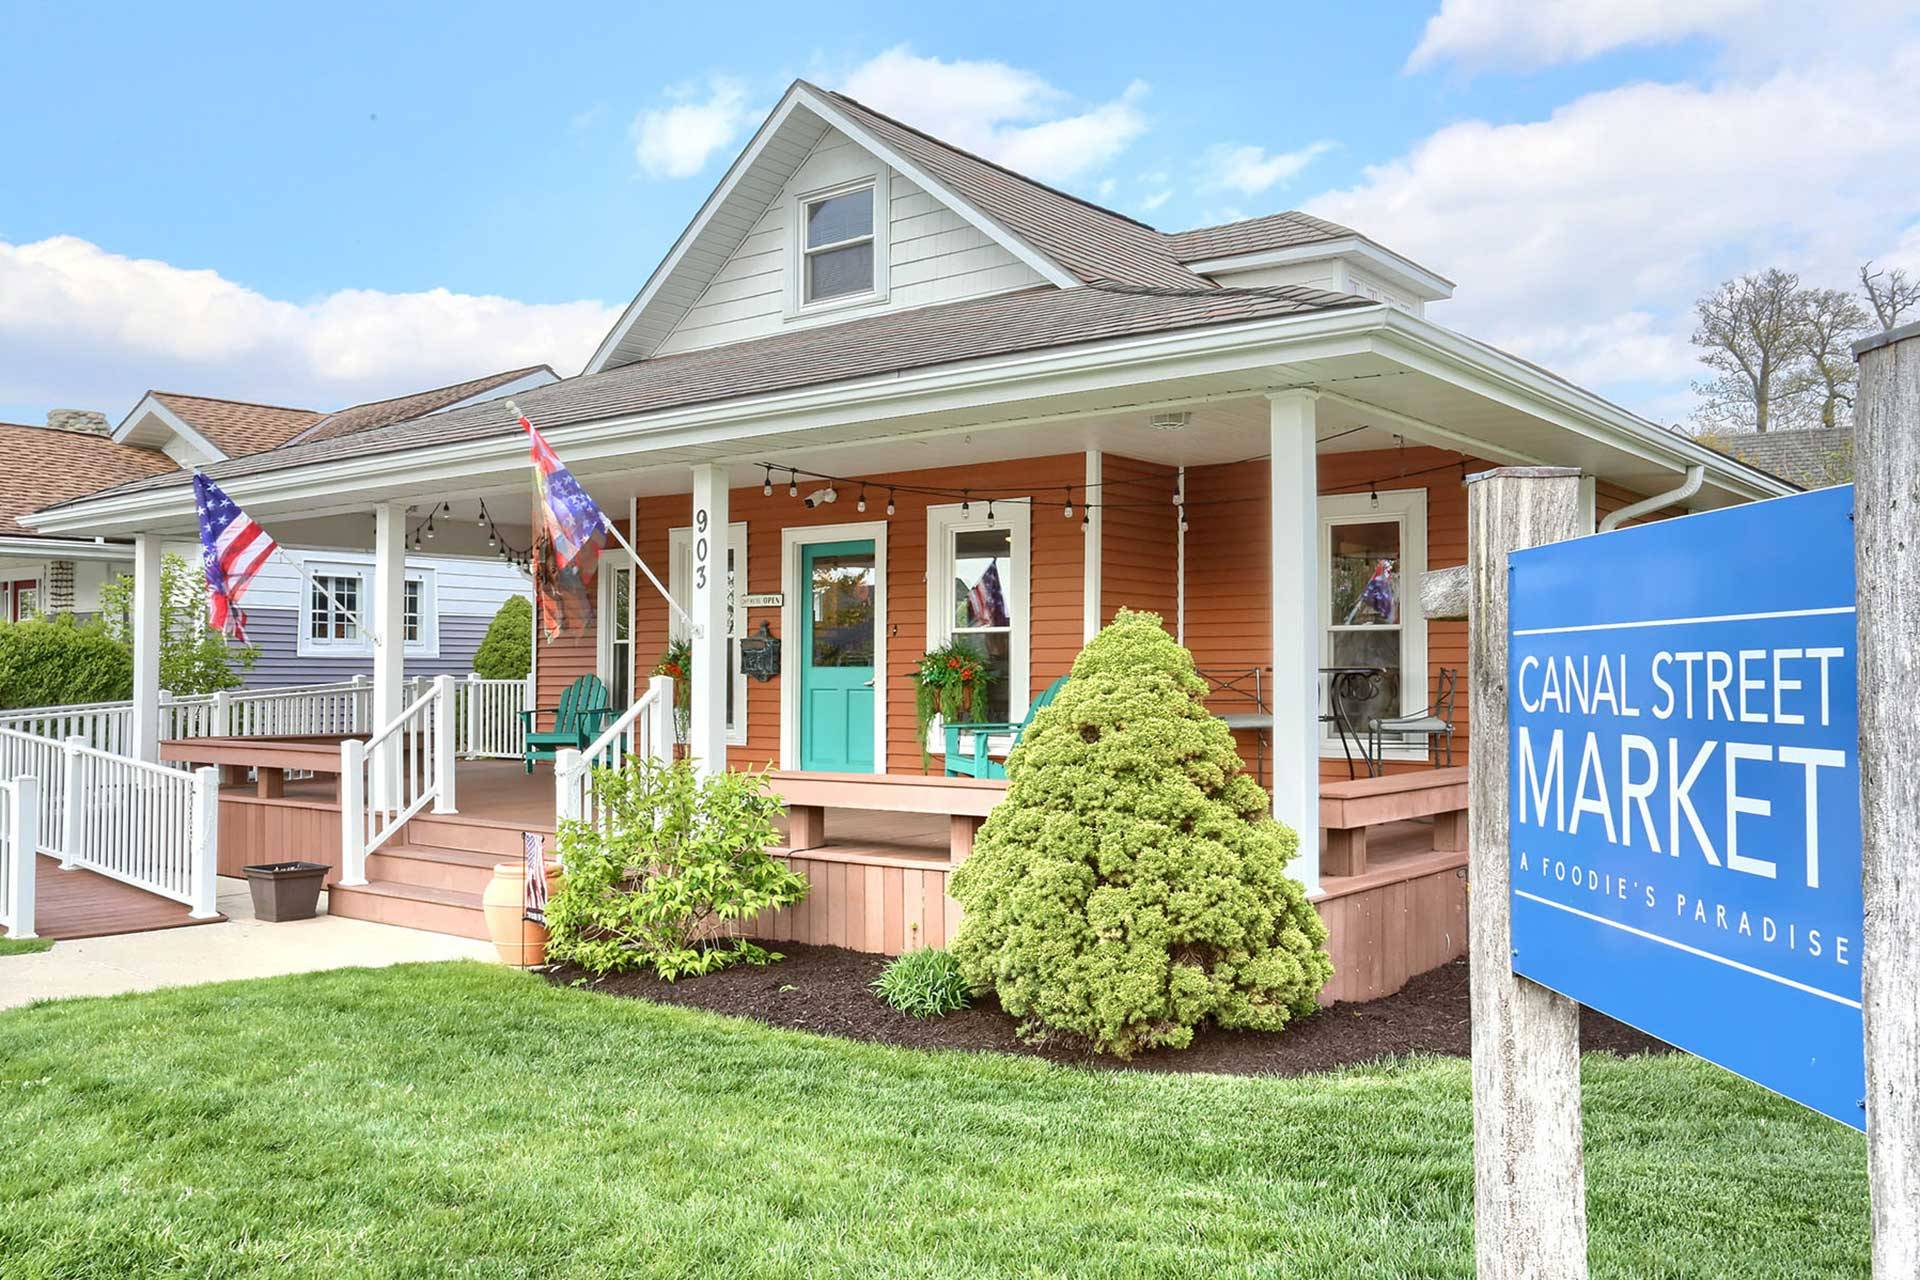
point(1811, 459)
point(302, 638)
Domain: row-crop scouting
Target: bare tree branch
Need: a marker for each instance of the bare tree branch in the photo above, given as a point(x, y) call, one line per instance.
point(1891, 294)
point(1751, 333)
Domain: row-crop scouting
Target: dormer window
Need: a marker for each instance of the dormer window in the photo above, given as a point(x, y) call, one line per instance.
point(839, 251)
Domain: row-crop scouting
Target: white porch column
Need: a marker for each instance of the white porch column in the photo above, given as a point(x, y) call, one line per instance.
point(1094, 499)
point(1294, 601)
point(145, 732)
point(710, 524)
point(385, 613)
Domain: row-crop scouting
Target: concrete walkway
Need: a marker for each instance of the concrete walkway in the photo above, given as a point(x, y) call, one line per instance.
point(242, 947)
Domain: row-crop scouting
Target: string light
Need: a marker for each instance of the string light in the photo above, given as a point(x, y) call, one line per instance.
point(889, 502)
point(989, 510)
point(766, 485)
point(793, 484)
point(1069, 511)
point(966, 505)
point(862, 504)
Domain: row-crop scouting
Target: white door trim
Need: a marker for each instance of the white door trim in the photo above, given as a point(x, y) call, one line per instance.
point(791, 540)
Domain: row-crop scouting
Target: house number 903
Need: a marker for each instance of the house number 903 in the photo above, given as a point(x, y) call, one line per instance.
point(700, 550)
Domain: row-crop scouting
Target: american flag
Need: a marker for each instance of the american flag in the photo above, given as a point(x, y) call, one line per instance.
point(234, 547)
point(986, 603)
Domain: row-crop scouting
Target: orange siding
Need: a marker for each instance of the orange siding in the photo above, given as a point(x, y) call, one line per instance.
point(1058, 550)
point(1137, 538)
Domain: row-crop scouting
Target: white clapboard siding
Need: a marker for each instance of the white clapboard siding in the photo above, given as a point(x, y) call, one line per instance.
point(934, 255)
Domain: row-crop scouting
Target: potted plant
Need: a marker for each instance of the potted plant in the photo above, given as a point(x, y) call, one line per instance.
point(951, 682)
point(285, 890)
point(677, 665)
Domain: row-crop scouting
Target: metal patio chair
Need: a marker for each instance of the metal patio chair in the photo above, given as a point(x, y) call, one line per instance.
point(1434, 721)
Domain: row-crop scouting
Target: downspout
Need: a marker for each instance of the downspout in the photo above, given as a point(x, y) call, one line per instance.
point(1696, 475)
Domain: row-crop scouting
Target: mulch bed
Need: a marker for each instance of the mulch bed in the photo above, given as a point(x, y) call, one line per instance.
point(825, 990)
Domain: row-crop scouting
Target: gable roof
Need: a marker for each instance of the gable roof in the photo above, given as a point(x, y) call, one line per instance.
point(1254, 235)
point(1812, 459)
point(380, 413)
point(974, 328)
point(235, 426)
point(48, 465)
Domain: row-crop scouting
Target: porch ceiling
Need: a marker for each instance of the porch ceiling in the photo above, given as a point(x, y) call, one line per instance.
point(1382, 378)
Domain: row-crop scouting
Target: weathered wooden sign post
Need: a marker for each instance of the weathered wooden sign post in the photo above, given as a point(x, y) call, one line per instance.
point(1703, 817)
point(1887, 556)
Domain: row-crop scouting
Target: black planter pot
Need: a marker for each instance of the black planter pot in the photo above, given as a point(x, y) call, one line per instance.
point(286, 890)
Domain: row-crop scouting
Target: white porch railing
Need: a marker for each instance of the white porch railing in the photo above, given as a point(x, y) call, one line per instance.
point(105, 725)
point(490, 724)
point(148, 825)
point(19, 853)
point(394, 774)
point(342, 707)
point(644, 729)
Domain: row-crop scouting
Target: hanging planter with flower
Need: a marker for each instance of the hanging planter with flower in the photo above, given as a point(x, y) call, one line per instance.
point(951, 682)
point(677, 664)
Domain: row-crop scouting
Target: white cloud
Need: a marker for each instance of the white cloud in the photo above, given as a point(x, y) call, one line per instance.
point(1582, 239)
point(1524, 35)
point(86, 328)
point(1155, 199)
point(1004, 113)
point(677, 141)
point(1250, 170)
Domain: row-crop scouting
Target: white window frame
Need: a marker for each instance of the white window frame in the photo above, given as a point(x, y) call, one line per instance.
point(877, 185)
point(1408, 507)
point(427, 646)
point(604, 641)
point(943, 522)
point(679, 580)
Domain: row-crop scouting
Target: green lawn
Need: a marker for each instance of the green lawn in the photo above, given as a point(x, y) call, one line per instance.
point(429, 1120)
point(24, 946)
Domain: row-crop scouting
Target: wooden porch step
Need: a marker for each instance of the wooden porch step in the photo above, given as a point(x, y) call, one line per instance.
point(500, 841)
point(410, 906)
point(433, 868)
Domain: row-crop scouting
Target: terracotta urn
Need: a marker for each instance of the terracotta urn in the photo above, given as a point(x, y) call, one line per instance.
point(521, 942)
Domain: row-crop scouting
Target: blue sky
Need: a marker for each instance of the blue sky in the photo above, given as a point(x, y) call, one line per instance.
point(317, 206)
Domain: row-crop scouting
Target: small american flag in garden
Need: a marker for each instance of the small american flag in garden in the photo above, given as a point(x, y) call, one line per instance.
point(536, 897)
point(234, 547)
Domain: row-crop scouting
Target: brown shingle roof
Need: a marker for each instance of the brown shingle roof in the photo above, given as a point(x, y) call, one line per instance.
point(1254, 235)
point(45, 466)
point(236, 427)
point(379, 413)
point(1000, 324)
point(1093, 243)
point(1811, 459)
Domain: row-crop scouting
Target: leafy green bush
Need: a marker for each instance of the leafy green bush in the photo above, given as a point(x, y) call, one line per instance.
point(57, 661)
point(506, 651)
point(194, 658)
point(924, 984)
point(675, 863)
point(1133, 884)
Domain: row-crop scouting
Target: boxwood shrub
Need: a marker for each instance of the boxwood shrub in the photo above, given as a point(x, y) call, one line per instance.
point(57, 661)
point(1133, 884)
point(506, 651)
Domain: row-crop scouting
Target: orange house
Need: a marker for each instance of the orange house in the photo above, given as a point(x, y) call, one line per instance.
point(882, 395)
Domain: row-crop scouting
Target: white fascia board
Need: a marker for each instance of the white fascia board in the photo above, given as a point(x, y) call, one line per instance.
point(834, 117)
point(1506, 379)
point(728, 428)
point(173, 422)
point(16, 547)
point(1430, 286)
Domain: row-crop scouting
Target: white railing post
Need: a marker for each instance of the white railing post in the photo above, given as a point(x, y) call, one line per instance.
point(362, 698)
point(660, 719)
point(203, 848)
point(353, 812)
point(473, 692)
point(445, 759)
point(70, 809)
point(566, 785)
point(23, 843)
point(222, 726)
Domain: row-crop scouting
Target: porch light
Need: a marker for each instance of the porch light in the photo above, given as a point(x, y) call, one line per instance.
point(1170, 421)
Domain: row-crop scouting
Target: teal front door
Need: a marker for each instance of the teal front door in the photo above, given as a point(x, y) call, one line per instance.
point(838, 586)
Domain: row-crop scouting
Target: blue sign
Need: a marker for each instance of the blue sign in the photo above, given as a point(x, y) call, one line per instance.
point(1685, 838)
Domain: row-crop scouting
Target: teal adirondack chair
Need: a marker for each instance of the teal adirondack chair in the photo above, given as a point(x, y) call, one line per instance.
point(583, 712)
point(980, 764)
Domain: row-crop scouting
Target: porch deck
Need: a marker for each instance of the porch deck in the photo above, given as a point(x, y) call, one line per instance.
point(82, 904)
point(879, 882)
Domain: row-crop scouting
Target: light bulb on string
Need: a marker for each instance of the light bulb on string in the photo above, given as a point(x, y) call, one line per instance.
point(766, 485)
point(1069, 512)
point(966, 506)
point(793, 484)
point(889, 502)
point(862, 504)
